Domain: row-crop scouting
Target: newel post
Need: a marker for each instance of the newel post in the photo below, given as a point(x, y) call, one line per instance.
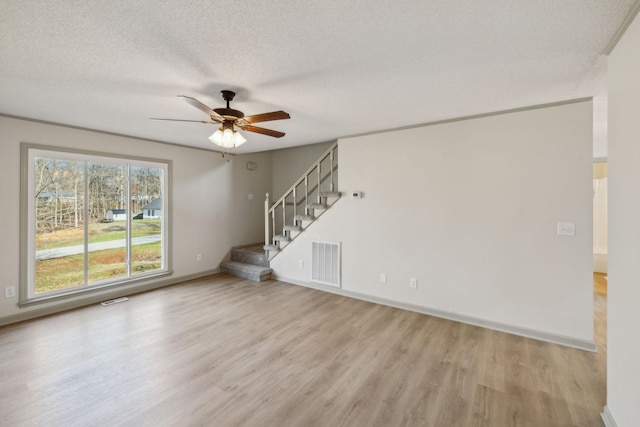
point(266, 219)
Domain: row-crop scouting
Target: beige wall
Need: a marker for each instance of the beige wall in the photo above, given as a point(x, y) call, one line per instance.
point(623, 346)
point(463, 208)
point(211, 210)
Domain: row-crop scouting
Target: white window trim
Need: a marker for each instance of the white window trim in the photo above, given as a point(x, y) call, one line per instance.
point(29, 152)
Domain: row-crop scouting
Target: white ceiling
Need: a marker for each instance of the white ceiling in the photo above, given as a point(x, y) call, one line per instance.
point(339, 68)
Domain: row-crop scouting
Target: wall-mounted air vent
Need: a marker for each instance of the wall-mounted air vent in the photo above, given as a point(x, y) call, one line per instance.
point(325, 263)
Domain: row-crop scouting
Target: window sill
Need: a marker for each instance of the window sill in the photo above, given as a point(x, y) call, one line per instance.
point(65, 295)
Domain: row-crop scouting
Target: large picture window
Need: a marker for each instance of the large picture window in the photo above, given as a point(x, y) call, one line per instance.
point(91, 221)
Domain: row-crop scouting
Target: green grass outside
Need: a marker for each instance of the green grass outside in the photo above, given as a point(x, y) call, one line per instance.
point(67, 272)
point(98, 232)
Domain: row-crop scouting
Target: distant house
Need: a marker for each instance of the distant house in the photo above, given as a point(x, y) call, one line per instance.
point(153, 210)
point(117, 215)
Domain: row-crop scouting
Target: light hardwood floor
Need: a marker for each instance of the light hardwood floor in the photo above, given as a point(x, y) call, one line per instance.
point(223, 351)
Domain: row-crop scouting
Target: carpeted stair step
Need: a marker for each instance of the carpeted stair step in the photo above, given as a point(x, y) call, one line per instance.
point(317, 206)
point(250, 255)
point(296, 228)
point(256, 273)
point(303, 218)
point(281, 238)
point(330, 194)
point(271, 248)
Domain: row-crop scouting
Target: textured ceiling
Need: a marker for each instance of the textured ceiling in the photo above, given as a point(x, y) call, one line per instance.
point(339, 68)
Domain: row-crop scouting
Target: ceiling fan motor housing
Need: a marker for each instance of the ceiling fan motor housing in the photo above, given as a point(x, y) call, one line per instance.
point(229, 113)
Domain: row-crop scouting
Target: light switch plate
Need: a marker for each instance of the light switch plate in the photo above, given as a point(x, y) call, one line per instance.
point(566, 229)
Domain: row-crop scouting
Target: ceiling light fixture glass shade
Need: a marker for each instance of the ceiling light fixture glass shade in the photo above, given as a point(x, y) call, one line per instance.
point(227, 138)
point(216, 138)
point(239, 138)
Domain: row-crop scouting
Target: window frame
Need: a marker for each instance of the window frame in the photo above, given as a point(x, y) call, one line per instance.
point(28, 153)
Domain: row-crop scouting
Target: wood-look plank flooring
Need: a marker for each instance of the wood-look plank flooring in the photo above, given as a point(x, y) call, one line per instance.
point(223, 351)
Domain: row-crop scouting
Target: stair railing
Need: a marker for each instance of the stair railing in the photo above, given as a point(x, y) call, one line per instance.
point(312, 179)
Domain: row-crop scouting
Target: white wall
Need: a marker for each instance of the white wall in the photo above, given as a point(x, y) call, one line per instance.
point(463, 208)
point(623, 346)
point(211, 210)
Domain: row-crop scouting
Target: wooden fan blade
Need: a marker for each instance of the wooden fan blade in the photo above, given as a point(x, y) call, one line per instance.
point(200, 106)
point(193, 121)
point(267, 117)
point(263, 131)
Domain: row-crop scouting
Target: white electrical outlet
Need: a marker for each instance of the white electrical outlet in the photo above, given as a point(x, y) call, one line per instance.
point(10, 292)
point(413, 283)
point(199, 257)
point(383, 277)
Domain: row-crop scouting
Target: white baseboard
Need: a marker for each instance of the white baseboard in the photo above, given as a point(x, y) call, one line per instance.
point(474, 321)
point(607, 417)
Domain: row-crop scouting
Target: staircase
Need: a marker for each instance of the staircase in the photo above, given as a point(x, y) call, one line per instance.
point(249, 263)
point(303, 203)
point(297, 209)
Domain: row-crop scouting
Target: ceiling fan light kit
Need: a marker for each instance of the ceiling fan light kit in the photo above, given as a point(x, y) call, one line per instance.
point(226, 136)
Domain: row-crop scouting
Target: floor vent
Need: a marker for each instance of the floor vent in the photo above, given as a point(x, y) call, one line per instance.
point(114, 301)
point(325, 263)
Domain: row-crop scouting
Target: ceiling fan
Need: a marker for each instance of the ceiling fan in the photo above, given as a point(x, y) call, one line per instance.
point(226, 136)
